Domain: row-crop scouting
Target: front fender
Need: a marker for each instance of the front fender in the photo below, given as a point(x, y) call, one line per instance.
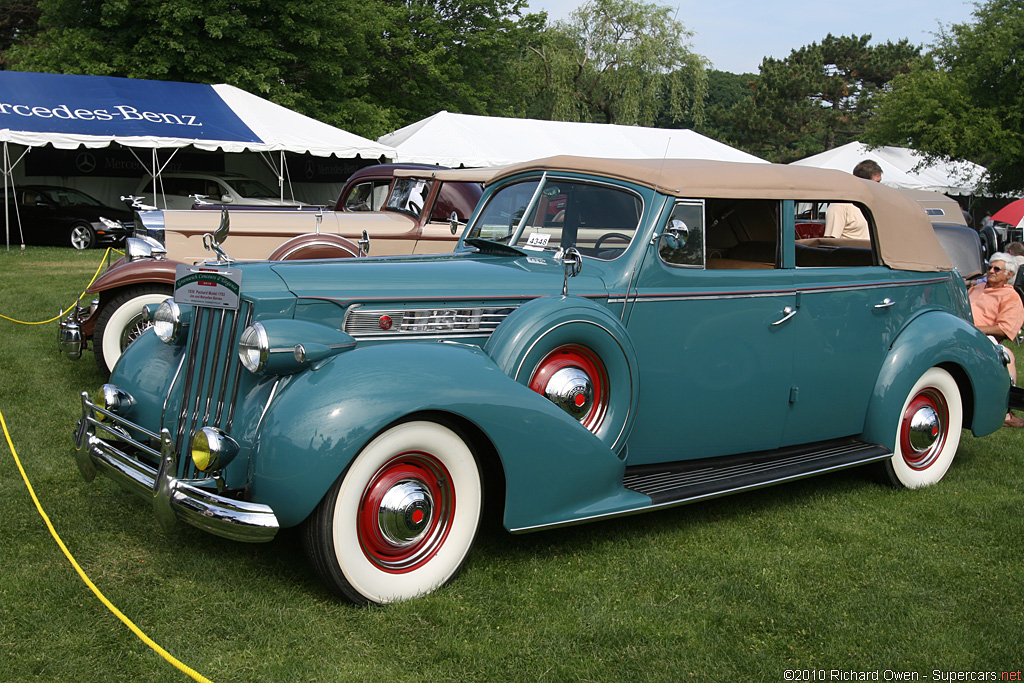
point(555, 470)
point(122, 274)
point(939, 339)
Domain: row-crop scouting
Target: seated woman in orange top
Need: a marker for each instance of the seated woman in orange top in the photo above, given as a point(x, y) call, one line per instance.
point(998, 310)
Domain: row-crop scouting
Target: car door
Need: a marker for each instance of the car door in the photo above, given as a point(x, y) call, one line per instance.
point(849, 309)
point(709, 318)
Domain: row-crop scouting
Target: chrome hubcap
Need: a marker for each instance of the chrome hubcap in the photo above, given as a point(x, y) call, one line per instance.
point(404, 512)
point(924, 429)
point(571, 390)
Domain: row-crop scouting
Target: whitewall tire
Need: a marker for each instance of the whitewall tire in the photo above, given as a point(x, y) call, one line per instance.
point(928, 432)
point(120, 322)
point(401, 520)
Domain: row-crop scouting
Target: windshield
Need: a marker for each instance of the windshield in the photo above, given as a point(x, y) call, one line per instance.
point(247, 187)
point(65, 196)
point(599, 220)
point(409, 195)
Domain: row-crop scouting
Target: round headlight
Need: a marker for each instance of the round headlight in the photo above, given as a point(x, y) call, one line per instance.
point(167, 321)
point(254, 347)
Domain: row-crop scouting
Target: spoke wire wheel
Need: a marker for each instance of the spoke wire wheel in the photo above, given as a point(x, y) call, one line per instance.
point(402, 519)
point(928, 432)
point(120, 322)
point(574, 378)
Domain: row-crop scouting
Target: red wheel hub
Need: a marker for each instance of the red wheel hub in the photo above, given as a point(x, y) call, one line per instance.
point(406, 512)
point(923, 428)
point(574, 378)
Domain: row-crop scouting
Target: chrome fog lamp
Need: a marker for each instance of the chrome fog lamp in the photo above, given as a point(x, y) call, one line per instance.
point(254, 348)
point(167, 321)
point(117, 400)
point(212, 449)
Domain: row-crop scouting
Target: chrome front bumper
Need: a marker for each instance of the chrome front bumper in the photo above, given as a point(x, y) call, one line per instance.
point(191, 501)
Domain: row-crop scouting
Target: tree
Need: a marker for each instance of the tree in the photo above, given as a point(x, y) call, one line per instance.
point(368, 66)
point(457, 55)
point(970, 104)
point(19, 20)
point(622, 61)
point(818, 98)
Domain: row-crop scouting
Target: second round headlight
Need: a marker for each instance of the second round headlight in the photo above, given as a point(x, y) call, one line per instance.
point(254, 347)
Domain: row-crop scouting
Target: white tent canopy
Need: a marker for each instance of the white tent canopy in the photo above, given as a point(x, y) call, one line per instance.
point(466, 140)
point(903, 168)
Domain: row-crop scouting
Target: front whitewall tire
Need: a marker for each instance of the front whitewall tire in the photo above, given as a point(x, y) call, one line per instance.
point(352, 539)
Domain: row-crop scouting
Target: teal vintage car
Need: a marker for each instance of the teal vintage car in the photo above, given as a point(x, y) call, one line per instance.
point(609, 337)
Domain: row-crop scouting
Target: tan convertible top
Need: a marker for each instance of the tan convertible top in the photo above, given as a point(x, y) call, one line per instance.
point(906, 240)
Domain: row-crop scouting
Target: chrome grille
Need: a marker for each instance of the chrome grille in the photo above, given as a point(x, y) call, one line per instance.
point(210, 377)
point(438, 321)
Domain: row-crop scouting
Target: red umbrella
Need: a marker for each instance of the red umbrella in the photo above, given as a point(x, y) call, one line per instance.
point(1011, 213)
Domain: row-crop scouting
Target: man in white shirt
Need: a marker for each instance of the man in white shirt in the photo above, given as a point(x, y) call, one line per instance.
point(846, 220)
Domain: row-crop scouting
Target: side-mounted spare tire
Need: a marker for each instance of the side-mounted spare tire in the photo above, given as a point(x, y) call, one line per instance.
point(576, 354)
point(314, 246)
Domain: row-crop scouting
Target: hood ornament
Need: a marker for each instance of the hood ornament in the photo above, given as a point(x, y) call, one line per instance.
point(213, 242)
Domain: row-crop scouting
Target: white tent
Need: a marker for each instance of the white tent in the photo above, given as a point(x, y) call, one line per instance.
point(903, 168)
point(70, 111)
point(465, 140)
point(95, 111)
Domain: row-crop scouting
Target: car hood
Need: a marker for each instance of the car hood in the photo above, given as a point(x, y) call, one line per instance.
point(461, 276)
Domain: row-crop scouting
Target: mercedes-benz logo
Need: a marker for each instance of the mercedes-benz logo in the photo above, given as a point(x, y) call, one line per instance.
point(85, 162)
point(309, 169)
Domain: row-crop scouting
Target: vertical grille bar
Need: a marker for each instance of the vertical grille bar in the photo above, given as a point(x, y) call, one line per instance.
point(212, 373)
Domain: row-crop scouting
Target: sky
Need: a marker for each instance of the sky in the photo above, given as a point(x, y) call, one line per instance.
point(737, 34)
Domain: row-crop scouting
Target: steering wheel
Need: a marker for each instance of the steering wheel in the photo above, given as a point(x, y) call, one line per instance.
point(611, 235)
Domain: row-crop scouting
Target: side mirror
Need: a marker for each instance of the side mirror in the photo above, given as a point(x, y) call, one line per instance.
point(676, 234)
point(454, 223)
point(226, 198)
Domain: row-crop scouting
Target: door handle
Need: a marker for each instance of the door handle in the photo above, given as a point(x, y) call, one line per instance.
point(787, 313)
point(886, 303)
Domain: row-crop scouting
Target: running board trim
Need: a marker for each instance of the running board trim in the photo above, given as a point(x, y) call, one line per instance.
point(679, 483)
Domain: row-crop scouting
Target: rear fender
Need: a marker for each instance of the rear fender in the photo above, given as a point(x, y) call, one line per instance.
point(555, 470)
point(939, 339)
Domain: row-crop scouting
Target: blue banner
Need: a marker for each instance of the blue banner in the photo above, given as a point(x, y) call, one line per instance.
point(107, 106)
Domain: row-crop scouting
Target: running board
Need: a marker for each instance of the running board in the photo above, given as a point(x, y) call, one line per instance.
point(692, 480)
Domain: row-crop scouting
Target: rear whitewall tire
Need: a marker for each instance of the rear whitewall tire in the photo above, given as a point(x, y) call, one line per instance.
point(346, 537)
point(915, 466)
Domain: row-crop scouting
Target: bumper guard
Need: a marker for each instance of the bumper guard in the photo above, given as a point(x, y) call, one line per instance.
point(190, 501)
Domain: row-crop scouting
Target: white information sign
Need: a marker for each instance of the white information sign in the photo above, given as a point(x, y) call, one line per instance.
point(210, 287)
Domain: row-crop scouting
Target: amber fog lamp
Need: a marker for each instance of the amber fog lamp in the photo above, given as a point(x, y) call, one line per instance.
point(212, 449)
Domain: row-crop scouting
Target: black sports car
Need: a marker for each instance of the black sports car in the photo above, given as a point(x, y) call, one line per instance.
point(60, 215)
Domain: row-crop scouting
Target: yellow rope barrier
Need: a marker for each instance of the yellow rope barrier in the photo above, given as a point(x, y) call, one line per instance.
point(99, 269)
point(102, 598)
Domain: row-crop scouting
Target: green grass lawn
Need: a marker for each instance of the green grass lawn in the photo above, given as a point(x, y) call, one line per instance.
point(833, 573)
